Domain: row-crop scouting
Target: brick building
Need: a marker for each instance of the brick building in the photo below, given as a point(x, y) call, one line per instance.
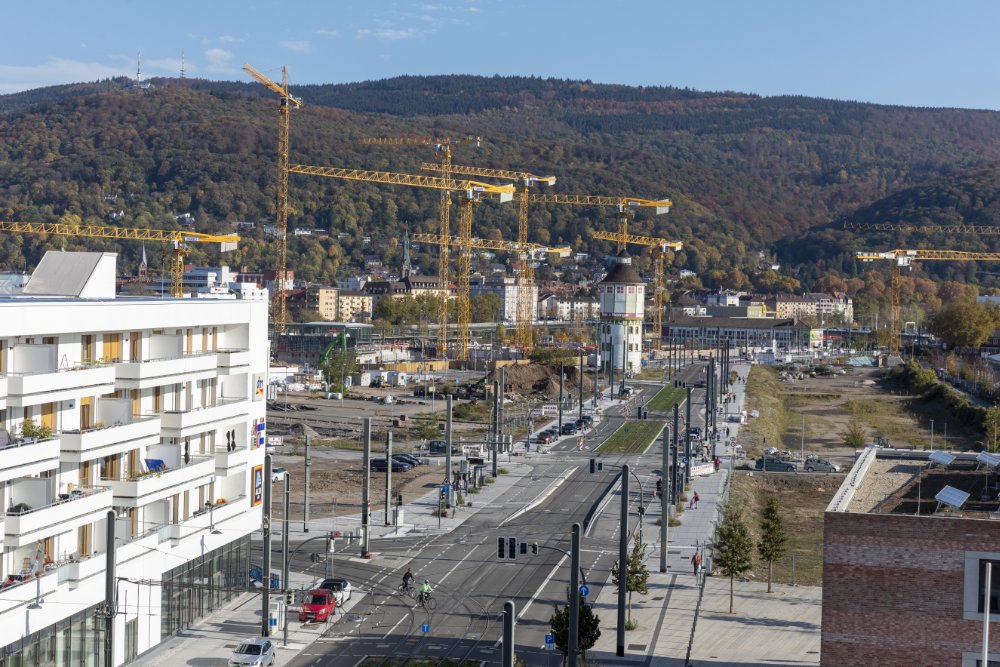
point(903, 574)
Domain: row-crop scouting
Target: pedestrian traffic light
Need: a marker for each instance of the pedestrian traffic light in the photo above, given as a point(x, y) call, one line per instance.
point(524, 548)
point(600, 465)
point(512, 548)
point(534, 548)
point(593, 465)
point(501, 548)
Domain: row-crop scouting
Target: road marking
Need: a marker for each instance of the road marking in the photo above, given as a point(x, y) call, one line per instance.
point(542, 586)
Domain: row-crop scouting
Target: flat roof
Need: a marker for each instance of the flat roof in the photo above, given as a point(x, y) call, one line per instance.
point(902, 481)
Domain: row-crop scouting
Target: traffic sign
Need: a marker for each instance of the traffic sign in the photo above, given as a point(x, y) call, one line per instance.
point(425, 628)
point(584, 590)
point(444, 488)
point(550, 639)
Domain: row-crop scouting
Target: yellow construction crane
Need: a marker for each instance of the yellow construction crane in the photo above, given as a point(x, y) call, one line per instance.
point(279, 312)
point(472, 191)
point(905, 258)
point(525, 268)
point(180, 240)
point(443, 148)
point(660, 248)
point(981, 230)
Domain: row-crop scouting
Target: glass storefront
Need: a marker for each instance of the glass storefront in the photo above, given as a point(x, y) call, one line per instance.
point(77, 641)
point(199, 587)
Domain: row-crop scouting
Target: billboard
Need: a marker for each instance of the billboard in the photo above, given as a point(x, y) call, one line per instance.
point(257, 486)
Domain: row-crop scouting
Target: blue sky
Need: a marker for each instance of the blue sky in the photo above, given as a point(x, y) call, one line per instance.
point(909, 52)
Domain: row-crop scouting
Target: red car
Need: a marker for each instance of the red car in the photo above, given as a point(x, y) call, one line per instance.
point(317, 605)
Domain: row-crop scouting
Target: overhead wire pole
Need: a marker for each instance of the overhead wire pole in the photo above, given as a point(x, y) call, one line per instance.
point(279, 313)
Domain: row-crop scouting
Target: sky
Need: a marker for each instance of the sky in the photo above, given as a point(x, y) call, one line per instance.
point(906, 52)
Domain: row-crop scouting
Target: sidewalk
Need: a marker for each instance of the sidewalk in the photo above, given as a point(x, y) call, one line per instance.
point(220, 633)
point(677, 618)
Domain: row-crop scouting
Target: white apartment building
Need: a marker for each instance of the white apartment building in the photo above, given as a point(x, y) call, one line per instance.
point(144, 412)
point(513, 295)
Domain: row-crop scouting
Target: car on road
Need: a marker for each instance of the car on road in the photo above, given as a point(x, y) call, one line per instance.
point(379, 465)
point(543, 438)
point(278, 474)
point(553, 431)
point(569, 428)
point(407, 458)
point(256, 652)
point(318, 605)
point(340, 587)
point(774, 465)
point(440, 447)
point(820, 465)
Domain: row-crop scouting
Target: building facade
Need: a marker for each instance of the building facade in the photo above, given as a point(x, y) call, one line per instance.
point(354, 306)
point(622, 308)
point(133, 414)
point(511, 293)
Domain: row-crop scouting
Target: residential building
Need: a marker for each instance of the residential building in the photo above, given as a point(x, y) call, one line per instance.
point(568, 308)
point(323, 300)
point(813, 306)
point(906, 540)
point(510, 291)
point(622, 309)
point(354, 306)
point(134, 419)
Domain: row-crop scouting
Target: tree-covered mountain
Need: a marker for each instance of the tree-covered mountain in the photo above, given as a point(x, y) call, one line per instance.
point(746, 173)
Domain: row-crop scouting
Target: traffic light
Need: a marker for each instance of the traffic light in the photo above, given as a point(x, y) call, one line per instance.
point(512, 548)
point(593, 465)
point(534, 548)
point(501, 548)
point(288, 598)
point(600, 465)
point(524, 548)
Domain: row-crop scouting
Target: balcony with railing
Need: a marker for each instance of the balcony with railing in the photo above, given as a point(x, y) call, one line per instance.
point(205, 518)
point(23, 457)
point(46, 384)
point(180, 423)
point(108, 439)
point(233, 361)
point(34, 514)
point(170, 369)
point(161, 479)
point(226, 460)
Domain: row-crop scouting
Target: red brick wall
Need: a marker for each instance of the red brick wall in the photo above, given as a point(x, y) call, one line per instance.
point(893, 589)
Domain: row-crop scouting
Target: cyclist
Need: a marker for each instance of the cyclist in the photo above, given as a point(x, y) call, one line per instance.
point(407, 579)
point(425, 591)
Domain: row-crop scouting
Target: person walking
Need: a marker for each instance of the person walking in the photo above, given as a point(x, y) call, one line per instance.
point(696, 563)
point(695, 498)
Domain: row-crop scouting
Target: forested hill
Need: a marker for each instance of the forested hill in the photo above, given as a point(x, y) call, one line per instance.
point(746, 173)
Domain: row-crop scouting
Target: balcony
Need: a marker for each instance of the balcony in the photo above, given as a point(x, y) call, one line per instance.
point(46, 386)
point(156, 485)
point(226, 461)
point(233, 361)
point(24, 459)
point(27, 524)
point(179, 424)
point(100, 441)
point(153, 372)
point(204, 519)
point(17, 593)
point(75, 570)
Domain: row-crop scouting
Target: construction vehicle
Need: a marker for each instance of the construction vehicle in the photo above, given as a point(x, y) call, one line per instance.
point(472, 191)
point(660, 248)
point(524, 271)
point(279, 312)
point(443, 148)
point(181, 240)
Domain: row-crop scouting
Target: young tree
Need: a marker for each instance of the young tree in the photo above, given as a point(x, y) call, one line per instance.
point(855, 437)
point(733, 553)
point(589, 624)
point(773, 540)
point(637, 577)
point(339, 365)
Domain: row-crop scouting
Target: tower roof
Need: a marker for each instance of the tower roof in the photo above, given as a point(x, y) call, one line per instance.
point(622, 271)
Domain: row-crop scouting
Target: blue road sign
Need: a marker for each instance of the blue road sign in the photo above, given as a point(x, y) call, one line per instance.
point(584, 590)
point(272, 621)
point(444, 488)
point(550, 639)
point(425, 628)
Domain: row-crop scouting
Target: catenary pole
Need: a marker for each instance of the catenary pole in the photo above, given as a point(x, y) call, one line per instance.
point(622, 564)
point(366, 501)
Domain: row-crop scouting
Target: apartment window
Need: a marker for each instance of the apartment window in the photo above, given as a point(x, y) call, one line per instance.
point(83, 539)
point(204, 339)
point(135, 346)
point(157, 399)
point(136, 402)
point(974, 593)
point(86, 412)
point(113, 347)
point(189, 341)
point(49, 340)
point(87, 348)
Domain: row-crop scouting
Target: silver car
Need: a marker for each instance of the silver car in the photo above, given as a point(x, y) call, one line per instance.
point(821, 465)
point(256, 652)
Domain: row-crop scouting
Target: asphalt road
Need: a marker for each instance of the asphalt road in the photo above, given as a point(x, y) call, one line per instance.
point(470, 584)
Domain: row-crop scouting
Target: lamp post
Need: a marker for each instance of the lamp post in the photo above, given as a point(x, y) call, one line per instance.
point(932, 434)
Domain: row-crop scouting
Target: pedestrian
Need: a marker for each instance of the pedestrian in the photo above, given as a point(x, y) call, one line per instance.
point(694, 500)
point(696, 562)
point(718, 463)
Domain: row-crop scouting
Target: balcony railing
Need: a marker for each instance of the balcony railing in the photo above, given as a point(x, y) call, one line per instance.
point(233, 358)
point(62, 383)
point(199, 364)
point(223, 408)
point(26, 524)
point(126, 435)
point(23, 457)
point(155, 485)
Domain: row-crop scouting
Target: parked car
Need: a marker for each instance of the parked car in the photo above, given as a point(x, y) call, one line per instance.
point(379, 465)
point(774, 465)
point(588, 420)
point(820, 465)
point(318, 605)
point(278, 474)
point(569, 428)
point(340, 587)
point(544, 437)
point(407, 458)
point(256, 652)
point(440, 447)
point(553, 431)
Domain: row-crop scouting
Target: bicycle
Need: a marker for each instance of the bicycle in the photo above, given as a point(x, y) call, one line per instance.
point(407, 590)
point(427, 601)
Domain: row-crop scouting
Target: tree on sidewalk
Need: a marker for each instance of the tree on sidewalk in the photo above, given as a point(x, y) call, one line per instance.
point(773, 540)
point(637, 575)
point(733, 552)
point(589, 624)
